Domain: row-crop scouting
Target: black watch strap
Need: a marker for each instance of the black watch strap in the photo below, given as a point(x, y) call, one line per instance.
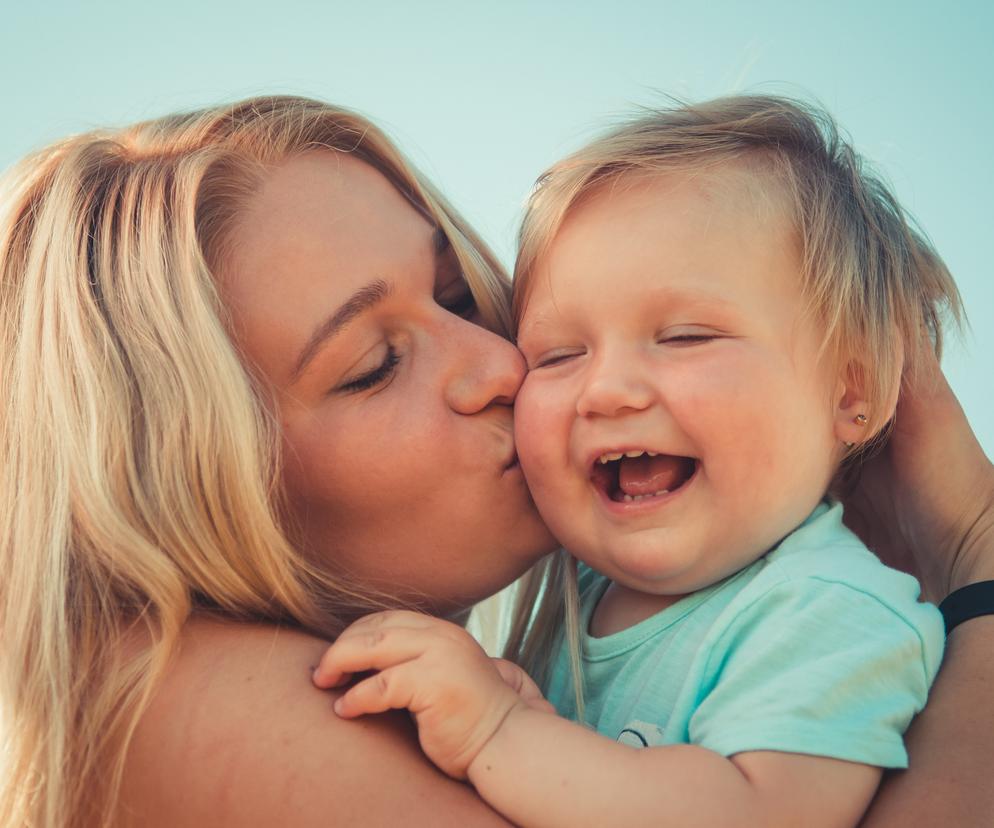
point(967, 602)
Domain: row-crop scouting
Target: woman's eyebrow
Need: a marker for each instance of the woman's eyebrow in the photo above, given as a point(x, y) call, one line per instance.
point(359, 302)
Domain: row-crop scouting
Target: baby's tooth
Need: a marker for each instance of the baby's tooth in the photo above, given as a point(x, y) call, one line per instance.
point(628, 498)
point(660, 492)
point(653, 453)
point(638, 453)
point(637, 498)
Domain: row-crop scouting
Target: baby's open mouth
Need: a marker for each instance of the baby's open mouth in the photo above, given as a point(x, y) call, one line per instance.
point(635, 475)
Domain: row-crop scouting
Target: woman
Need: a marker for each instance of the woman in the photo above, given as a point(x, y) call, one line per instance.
point(251, 390)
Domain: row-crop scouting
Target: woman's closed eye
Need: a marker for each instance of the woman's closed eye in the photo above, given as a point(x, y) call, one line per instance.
point(457, 298)
point(377, 376)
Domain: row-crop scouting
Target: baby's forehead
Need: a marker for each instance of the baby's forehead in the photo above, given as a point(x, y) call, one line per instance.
point(753, 181)
point(747, 193)
point(723, 198)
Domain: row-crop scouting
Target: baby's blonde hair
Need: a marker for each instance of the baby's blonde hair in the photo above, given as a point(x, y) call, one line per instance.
point(869, 276)
point(139, 475)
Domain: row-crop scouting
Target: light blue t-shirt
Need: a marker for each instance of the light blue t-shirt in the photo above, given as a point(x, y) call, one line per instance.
point(815, 648)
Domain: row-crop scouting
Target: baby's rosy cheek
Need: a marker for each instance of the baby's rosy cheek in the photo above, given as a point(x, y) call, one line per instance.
point(529, 420)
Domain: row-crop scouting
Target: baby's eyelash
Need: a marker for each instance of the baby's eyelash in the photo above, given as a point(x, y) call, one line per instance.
point(372, 378)
point(688, 338)
point(554, 358)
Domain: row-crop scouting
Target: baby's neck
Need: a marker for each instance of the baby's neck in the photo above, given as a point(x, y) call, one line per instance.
point(621, 607)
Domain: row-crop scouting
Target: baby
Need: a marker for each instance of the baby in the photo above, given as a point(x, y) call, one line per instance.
point(715, 304)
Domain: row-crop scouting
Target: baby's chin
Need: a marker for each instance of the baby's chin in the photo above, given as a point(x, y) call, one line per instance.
point(660, 561)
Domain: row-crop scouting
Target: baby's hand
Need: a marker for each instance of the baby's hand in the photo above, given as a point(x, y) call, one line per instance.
point(458, 695)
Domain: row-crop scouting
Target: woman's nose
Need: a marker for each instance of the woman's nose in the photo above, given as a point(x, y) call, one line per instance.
point(486, 370)
point(613, 386)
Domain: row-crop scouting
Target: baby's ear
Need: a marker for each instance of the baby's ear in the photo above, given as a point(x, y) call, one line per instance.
point(858, 416)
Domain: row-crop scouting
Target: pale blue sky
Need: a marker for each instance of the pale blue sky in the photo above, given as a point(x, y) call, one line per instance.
point(484, 95)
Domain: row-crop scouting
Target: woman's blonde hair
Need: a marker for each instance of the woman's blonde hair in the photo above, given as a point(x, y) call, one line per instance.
point(870, 278)
point(139, 467)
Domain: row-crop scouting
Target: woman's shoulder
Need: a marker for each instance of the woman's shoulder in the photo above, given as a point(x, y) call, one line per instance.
point(236, 734)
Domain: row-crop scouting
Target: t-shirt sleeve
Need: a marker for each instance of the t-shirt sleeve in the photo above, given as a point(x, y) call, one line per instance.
point(819, 668)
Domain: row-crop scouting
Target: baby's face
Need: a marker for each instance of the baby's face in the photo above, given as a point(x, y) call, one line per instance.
point(665, 328)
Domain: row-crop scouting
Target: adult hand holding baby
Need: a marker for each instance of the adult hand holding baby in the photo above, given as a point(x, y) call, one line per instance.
point(925, 504)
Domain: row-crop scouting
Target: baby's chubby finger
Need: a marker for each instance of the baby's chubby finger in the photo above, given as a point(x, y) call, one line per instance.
point(328, 674)
point(386, 690)
point(368, 648)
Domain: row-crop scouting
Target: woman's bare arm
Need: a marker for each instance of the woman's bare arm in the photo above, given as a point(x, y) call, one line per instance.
point(238, 736)
point(927, 505)
point(951, 744)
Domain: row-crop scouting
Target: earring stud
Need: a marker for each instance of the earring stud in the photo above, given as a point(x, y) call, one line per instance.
point(860, 420)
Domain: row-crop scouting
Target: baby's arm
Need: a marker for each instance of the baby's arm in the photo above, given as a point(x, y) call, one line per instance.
point(538, 769)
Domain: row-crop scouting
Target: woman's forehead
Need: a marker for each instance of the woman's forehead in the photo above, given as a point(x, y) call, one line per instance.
point(321, 226)
point(327, 202)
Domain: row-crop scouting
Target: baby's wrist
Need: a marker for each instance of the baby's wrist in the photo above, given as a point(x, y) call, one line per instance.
point(490, 753)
